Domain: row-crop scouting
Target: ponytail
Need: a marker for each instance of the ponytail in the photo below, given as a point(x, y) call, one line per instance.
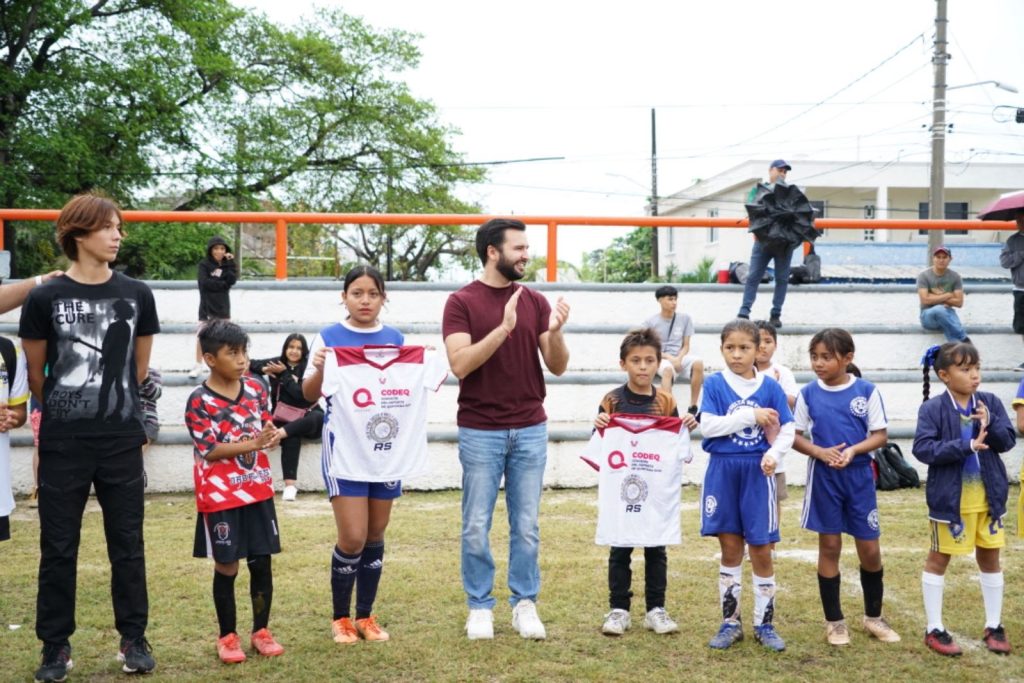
point(927, 361)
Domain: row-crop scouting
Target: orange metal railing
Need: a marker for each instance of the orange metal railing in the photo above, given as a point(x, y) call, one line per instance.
point(281, 220)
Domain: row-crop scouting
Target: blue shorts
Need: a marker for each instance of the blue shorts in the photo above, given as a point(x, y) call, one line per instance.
point(841, 501)
point(386, 490)
point(737, 498)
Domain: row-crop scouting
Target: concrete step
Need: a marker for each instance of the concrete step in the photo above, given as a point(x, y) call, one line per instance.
point(574, 396)
point(316, 303)
point(897, 348)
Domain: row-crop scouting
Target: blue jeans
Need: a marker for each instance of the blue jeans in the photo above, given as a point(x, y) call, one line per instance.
point(942, 317)
point(520, 455)
point(759, 260)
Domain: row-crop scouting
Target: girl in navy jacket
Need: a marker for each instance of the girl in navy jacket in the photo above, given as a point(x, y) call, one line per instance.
point(960, 435)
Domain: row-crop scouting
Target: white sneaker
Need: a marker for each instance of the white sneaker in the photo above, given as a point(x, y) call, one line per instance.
point(616, 622)
point(196, 370)
point(290, 493)
point(480, 624)
point(526, 621)
point(660, 622)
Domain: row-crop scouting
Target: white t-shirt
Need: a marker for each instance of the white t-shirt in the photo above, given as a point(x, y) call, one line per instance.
point(375, 427)
point(641, 471)
point(18, 395)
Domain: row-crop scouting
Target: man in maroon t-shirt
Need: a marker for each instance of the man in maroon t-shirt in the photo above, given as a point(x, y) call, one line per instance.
point(492, 331)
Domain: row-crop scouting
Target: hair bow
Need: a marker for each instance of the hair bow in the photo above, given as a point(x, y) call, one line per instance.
point(928, 359)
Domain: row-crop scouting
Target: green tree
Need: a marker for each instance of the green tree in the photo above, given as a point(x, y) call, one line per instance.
point(218, 107)
point(626, 259)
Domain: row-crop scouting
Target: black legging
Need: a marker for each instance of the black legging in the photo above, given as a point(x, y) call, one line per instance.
point(309, 426)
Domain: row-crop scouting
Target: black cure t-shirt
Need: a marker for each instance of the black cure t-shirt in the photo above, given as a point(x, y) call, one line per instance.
point(90, 330)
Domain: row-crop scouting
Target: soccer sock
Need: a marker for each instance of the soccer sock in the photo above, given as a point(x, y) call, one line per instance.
point(871, 584)
point(764, 599)
point(729, 591)
point(992, 594)
point(368, 578)
point(828, 588)
point(343, 578)
point(224, 602)
point(261, 590)
point(932, 586)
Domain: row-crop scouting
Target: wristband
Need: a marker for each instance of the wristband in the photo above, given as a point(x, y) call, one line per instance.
point(39, 279)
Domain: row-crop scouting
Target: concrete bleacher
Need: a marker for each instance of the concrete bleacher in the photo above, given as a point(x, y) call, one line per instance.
point(882, 318)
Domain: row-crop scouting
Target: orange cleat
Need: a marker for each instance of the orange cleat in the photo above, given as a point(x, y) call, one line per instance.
point(263, 642)
point(229, 649)
point(370, 630)
point(344, 631)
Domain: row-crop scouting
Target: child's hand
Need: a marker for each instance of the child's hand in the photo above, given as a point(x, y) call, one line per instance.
point(602, 420)
point(978, 443)
point(268, 437)
point(831, 456)
point(6, 419)
point(274, 367)
point(687, 457)
point(766, 416)
point(846, 456)
point(768, 464)
point(690, 422)
point(319, 357)
point(981, 414)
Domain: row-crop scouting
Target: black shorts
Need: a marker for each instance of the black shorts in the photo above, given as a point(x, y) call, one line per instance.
point(5, 528)
point(1018, 312)
point(230, 535)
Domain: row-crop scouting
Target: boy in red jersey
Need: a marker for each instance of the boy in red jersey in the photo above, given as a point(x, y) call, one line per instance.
point(231, 428)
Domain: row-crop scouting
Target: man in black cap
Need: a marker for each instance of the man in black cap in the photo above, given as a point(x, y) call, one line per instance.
point(759, 259)
point(941, 290)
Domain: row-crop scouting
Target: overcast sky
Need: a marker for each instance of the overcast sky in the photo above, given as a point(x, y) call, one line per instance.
point(731, 80)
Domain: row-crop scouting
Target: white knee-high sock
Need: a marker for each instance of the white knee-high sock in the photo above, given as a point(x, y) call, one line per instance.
point(729, 590)
point(992, 594)
point(764, 599)
point(932, 586)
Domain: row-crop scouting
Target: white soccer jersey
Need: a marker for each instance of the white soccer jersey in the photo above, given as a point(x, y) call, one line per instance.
point(641, 472)
point(375, 428)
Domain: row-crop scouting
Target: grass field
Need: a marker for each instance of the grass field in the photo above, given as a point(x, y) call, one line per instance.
point(422, 605)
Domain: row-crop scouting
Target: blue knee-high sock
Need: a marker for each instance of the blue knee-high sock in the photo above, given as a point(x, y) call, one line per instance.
point(343, 578)
point(369, 578)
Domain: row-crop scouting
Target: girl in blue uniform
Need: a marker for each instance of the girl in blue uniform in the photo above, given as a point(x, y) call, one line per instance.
point(846, 416)
point(960, 434)
point(362, 509)
point(747, 426)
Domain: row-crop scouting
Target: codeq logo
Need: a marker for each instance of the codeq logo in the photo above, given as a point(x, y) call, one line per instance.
point(362, 398)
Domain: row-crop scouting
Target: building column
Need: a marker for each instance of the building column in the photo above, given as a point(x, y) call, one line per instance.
point(882, 211)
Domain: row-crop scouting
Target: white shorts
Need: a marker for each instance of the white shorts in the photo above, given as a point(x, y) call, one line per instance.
point(686, 366)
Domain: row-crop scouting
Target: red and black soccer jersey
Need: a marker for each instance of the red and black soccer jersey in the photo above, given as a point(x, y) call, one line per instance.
point(213, 419)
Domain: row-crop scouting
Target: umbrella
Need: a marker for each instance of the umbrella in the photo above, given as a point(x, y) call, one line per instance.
point(1005, 208)
point(781, 217)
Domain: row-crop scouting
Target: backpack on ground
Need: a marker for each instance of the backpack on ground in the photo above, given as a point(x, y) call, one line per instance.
point(894, 472)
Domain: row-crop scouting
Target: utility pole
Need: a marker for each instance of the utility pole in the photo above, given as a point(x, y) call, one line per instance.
point(936, 199)
point(654, 194)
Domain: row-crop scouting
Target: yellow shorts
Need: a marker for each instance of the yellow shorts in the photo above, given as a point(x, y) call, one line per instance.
point(977, 530)
point(1020, 513)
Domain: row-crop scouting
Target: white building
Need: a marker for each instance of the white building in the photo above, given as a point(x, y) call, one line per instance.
point(839, 189)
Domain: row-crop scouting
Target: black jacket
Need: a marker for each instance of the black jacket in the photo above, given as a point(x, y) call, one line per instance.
point(215, 281)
